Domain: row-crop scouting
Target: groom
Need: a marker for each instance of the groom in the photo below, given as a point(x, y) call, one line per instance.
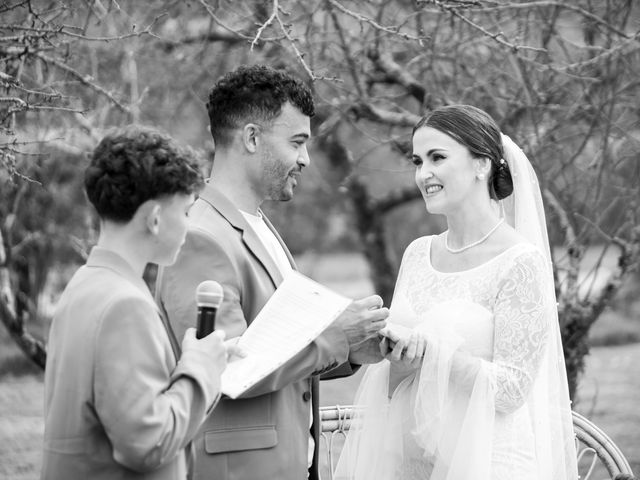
point(260, 122)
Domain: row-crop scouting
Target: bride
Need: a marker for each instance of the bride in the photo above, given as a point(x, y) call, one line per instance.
point(473, 385)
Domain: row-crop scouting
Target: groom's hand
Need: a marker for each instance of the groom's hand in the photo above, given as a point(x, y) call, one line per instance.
point(389, 337)
point(385, 346)
point(363, 319)
point(366, 352)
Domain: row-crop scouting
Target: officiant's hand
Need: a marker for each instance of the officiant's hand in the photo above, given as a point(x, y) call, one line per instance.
point(213, 345)
point(211, 348)
point(363, 319)
point(233, 349)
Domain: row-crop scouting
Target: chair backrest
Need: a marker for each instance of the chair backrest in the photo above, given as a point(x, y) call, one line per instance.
point(598, 456)
point(594, 447)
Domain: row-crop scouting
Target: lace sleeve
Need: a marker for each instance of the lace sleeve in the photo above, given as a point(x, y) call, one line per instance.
point(521, 330)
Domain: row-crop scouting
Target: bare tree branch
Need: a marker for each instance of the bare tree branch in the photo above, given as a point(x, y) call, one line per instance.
point(84, 79)
point(398, 119)
point(208, 37)
point(232, 31)
point(362, 18)
point(397, 74)
point(273, 17)
point(397, 198)
point(349, 57)
point(629, 47)
point(64, 30)
point(499, 37)
point(546, 3)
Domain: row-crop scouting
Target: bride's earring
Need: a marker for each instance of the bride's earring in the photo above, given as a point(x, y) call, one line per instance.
point(480, 176)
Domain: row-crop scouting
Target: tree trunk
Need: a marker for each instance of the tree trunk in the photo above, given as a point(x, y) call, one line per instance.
point(575, 340)
point(369, 217)
point(34, 349)
point(371, 229)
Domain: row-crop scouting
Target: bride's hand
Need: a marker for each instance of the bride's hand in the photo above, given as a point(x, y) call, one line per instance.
point(388, 339)
point(408, 351)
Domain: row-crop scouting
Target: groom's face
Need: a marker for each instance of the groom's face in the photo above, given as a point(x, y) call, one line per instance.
point(284, 153)
point(445, 170)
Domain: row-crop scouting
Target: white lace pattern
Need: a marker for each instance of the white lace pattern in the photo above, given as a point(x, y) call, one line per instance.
point(496, 314)
point(509, 286)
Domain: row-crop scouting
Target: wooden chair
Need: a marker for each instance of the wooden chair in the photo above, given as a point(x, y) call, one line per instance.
point(598, 456)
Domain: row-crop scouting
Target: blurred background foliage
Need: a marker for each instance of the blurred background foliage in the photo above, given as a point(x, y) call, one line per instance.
point(561, 78)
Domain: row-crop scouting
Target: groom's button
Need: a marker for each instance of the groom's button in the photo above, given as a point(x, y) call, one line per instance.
point(306, 396)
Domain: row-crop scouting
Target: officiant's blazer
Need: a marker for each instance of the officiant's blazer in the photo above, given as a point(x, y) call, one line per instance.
point(117, 405)
point(265, 433)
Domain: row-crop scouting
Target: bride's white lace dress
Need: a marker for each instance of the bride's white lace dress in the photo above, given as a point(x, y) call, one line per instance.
point(471, 411)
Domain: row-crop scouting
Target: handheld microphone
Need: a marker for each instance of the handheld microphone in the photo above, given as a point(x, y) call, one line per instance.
point(208, 298)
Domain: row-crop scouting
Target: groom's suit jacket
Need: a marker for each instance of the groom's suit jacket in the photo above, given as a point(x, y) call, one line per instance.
point(265, 433)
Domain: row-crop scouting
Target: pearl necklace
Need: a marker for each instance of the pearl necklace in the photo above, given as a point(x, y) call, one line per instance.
point(473, 244)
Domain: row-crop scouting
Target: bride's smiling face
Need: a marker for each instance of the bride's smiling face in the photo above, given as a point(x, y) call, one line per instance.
point(445, 170)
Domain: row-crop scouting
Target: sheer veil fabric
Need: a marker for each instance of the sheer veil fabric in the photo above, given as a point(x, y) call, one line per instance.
point(490, 400)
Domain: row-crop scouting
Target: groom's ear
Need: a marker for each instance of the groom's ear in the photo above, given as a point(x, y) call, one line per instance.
point(251, 137)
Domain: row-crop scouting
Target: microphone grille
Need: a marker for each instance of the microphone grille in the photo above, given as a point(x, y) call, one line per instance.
point(209, 294)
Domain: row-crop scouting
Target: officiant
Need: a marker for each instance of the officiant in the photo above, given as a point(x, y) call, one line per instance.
point(119, 402)
point(260, 122)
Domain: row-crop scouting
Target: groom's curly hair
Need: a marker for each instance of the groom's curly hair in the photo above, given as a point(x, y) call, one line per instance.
point(253, 93)
point(476, 130)
point(134, 164)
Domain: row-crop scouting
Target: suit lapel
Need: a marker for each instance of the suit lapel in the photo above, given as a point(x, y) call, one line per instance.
point(228, 210)
point(253, 243)
point(175, 344)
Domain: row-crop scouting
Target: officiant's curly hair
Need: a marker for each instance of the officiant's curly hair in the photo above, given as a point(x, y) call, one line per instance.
point(253, 94)
point(476, 130)
point(134, 164)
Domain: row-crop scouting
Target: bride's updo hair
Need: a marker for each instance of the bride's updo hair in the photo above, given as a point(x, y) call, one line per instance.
point(476, 130)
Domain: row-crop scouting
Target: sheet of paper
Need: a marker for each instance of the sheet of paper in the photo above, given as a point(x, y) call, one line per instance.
point(298, 311)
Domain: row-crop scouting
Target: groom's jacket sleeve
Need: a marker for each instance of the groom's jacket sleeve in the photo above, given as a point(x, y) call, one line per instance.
point(246, 288)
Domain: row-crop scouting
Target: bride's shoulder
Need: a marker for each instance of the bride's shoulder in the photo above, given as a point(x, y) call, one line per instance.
point(511, 242)
point(421, 242)
point(508, 238)
point(418, 248)
point(519, 249)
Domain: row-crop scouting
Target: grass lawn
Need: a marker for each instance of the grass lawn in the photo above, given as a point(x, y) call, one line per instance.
point(21, 427)
point(609, 395)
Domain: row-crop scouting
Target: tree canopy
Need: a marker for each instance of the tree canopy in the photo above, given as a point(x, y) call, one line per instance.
point(561, 78)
